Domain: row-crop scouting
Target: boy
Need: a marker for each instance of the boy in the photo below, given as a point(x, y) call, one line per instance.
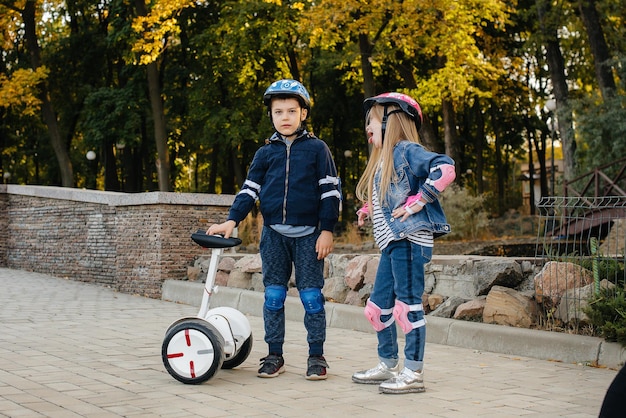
point(295, 179)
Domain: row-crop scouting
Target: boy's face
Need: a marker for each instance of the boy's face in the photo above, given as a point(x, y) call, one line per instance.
point(374, 131)
point(287, 115)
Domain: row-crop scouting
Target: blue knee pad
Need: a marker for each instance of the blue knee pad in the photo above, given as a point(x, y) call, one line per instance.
point(275, 297)
point(312, 300)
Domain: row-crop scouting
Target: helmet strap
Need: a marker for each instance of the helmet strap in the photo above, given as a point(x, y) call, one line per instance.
point(384, 121)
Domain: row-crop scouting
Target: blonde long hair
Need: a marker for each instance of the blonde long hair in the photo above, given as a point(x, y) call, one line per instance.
point(399, 127)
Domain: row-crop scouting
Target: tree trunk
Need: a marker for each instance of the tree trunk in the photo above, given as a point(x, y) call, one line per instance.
point(598, 46)
point(556, 67)
point(499, 166)
point(158, 116)
point(428, 135)
point(47, 109)
point(479, 144)
point(450, 135)
point(369, 88)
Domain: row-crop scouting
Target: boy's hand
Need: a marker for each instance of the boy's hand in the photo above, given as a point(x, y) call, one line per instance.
point(225, 228)
point(324, 244)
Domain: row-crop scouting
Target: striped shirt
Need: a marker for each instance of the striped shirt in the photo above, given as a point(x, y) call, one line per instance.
point(382, 233)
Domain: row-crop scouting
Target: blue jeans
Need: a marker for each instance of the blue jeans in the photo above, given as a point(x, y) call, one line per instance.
point(400, 276)
point(279, 255)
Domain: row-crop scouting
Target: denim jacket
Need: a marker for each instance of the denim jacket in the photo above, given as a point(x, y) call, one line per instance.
point(414, 165)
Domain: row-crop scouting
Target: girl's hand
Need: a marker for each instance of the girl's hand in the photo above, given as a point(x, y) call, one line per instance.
point(401, 212)
point(362, 215)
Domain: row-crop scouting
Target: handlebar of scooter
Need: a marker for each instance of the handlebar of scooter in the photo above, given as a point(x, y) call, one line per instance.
point(201, 238)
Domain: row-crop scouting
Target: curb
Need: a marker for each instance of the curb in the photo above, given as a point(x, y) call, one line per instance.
point(542, 345)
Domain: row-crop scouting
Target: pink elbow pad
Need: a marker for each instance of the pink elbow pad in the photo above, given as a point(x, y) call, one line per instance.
point(447, 176)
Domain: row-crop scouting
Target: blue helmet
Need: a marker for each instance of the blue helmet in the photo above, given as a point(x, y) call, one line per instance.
point(288, 88)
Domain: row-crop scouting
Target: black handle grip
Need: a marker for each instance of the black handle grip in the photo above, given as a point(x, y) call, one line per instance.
point(213, 241)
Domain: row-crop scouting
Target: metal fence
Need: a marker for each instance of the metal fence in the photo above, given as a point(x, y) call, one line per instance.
point(581, 241)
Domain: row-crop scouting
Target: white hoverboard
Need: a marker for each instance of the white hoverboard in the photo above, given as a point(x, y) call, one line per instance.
point(195, 348)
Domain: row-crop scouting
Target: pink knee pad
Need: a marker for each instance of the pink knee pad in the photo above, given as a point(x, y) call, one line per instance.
point(373, 312)
point(401, 313)
point(447, 176)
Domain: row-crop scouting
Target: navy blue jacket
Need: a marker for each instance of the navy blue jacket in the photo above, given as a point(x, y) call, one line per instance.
point(296, 184)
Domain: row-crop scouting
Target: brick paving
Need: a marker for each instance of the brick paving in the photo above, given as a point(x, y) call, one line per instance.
point(71, 349)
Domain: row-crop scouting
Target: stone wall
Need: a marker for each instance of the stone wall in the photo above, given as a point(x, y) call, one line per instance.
point(129, 242)
point(4, 223)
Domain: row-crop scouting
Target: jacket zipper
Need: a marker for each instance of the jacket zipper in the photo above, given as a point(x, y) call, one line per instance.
point(288, 144)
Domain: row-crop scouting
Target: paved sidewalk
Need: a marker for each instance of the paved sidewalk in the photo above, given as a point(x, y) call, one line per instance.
point(69, 349)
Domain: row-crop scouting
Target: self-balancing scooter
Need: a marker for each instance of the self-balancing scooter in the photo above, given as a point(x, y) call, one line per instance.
point(195, 348)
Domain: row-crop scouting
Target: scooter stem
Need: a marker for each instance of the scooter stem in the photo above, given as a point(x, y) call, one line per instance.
point(210, 281)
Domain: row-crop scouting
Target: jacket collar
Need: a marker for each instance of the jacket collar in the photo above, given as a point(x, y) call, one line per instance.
point(278, 137)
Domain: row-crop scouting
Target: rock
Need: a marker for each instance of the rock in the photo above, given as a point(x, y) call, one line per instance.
point(447, 308)
point(496, 272)
point(425, 304)
point(221, 278)
point(355, 272)
point(472, 310)
point(506, 306)
point(434, 300)
point(335, 290)
point(574, 301)
point(556, 277)
point(257, 282)
point(193, 273)
point(370, 270)
point(249, 264)
point(239, 279)
point(353, 298)
point(226, 264)
point(614, 243)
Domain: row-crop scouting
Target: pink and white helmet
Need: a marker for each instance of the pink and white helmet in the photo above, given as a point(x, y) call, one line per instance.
point(406, 103)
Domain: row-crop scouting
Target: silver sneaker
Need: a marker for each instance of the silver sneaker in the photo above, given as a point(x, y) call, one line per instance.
point(407, 381)
point(376, 375)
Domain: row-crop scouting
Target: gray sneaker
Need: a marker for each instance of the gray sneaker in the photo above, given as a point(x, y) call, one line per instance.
point(376, 375)
point(407, 381)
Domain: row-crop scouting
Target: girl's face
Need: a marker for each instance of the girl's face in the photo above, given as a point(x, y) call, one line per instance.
point(374, 131)
point(287, 115)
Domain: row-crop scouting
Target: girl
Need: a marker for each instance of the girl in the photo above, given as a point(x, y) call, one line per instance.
point(399, 189)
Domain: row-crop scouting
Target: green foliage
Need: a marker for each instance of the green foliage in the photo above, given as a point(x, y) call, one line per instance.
point(465, 214)
point(215, 58)
point(608, 268)
point(607, 312)
point(601, 127)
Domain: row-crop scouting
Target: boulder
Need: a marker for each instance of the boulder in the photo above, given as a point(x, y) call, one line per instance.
point(434, 301)
point(471, 310)
point(335, 290)
point(355, 272)
point(193, 273)
point(249, 264)
point(353, 298)
point(574, 301)
point(614, 243)
point(496, 272)
point(556, 277)
point(226, 264)
point(507, 306)
point(447, 308)
point(239, 279)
